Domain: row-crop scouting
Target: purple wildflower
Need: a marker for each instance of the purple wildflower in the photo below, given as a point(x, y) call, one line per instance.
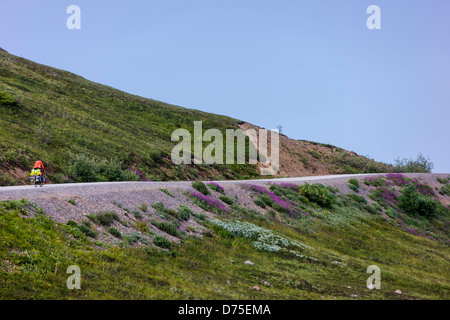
point(210, 202)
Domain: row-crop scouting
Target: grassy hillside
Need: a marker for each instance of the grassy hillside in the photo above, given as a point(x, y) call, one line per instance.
point(84, 131)
point(54, 115)
point(278, 241)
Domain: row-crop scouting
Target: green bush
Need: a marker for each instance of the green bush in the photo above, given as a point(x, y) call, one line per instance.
point(116, 233)
point(137, 214)
point(184, 212)
point(226, 199)
point(131, 176)
point(132, 238)
point(7, 99)
point(111, 170)
point(260, 202)
point(353, 187)
point(162, 242)
point(72, 201)
point(201, 187)
point(421, 164)
point(83, 169)
point(445, 190)
point(84, 227)
point(314, 154)
point(87, 231)
point(143, 207)
point(316, 193)
point(6, 180)
point(167, 227)
point(141, 226)
point(354, 182)
point(411, 202)
point(104, 218)
point(266, 199)
point(167, 192)
point(357, 198)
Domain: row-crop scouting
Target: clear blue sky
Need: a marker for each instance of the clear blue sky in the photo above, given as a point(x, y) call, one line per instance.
point(311, 66)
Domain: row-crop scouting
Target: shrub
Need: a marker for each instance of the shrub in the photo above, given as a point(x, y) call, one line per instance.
point(316, 193)
point(7, 99)
point(167, 192)
point(445, 190)
point(411, 202)
point(164, 212)
point(421, 164)
point(104, 218)
point(184, 212)
point(386, 197)
point(141, 226)
point(167, 227)
point(209, 204)
point(116, 233)
point(260, 203)
point(131, 175)
point(72, 201)
point(6, 180)
point(278, 207)
point(83, 169)
point(353, 187)
point(111, 170)
point(262, 239)
point(266, 199)
point(370, 209)
point(314, 154)
point(137, 214)
point(226, 199)
point(162, 242)
point(443, 180)
point(201, 187)
point(214, 186)
point(357, 198)
point(354, 182)
point(143, 207)
point(84, 227)
point(132, 238)
point(199, 216)
point(87, 231)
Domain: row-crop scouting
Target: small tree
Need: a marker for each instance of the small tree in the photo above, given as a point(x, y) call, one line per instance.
point(421, 164)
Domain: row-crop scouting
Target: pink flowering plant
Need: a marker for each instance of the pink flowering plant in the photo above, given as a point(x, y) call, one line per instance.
point(216, 187)
point(411, 205)
point(278, 198)
point(209, 204)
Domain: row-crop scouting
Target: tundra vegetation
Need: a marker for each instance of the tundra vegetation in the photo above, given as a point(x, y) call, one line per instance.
point(306, 241)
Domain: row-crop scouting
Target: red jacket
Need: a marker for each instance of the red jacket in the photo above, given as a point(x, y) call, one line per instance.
point(39, 164)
